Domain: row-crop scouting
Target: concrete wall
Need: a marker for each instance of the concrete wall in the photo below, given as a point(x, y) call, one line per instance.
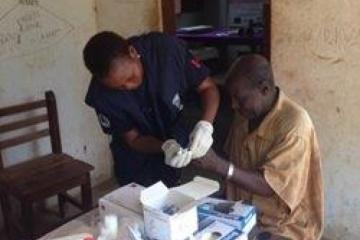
point(315, 54)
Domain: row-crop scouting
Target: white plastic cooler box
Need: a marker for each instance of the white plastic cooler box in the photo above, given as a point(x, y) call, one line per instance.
point(184, 222)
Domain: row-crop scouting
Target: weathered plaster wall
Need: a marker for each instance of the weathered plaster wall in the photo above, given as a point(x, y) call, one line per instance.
point(315, 55)
point(41, 46)
point(129, 17)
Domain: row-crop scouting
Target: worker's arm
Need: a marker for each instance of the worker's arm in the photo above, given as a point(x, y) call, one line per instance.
point(201, 136)
point(149, 144)
point(251, 181)
point(210, 99)
point(141, 143)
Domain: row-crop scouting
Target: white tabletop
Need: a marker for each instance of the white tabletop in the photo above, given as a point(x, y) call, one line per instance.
point(86, 223)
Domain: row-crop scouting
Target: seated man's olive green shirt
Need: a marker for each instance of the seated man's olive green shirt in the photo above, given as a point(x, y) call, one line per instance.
point(284, 148)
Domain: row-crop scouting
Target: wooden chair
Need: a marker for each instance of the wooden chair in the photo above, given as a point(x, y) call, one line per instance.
point(37, 179)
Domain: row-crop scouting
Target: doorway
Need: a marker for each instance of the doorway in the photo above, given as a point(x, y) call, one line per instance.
point(218, 31)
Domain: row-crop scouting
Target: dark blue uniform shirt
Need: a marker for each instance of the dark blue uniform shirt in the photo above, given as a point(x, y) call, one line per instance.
point(170, 72)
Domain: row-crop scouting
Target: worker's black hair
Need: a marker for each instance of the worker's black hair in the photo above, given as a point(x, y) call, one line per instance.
point(255, 68)
point(101, 50)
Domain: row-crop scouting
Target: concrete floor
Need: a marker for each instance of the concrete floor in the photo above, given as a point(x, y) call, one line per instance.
point(47, 218)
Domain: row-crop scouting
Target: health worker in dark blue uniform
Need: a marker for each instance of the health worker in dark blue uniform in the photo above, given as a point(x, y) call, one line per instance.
point(137, 91)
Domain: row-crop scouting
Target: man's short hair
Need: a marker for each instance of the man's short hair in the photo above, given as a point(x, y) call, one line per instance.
point(255, 68)
point(101, 50)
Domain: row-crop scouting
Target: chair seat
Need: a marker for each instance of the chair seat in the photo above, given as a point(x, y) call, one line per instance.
point(44, 176)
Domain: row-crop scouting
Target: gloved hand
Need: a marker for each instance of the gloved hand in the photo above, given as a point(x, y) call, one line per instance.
point(181, 159)
point(170, 148)
point(175, 155)
point(201, 139)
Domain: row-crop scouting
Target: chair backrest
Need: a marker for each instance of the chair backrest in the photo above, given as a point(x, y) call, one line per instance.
point(51, 116)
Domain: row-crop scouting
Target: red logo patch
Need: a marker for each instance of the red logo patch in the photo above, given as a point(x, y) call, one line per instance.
point(196, 62)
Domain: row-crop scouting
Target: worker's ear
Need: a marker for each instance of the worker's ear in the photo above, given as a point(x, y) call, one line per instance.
point(133, 53)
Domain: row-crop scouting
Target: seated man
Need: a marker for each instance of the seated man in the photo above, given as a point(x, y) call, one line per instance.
point(274, 154)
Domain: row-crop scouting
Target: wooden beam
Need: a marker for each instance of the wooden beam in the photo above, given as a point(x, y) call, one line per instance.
point(22, 108)
point(168, 16)
point(267, 21)
point(23, 139)
point(53, 122)
point(71, 200)
point(23, 123)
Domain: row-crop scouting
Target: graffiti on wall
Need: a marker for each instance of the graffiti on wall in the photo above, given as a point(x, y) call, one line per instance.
point(29, 27)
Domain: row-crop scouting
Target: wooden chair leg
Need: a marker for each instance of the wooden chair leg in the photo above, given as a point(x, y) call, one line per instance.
point(86, 195)
point(6, 210)
point(27, 213)
point(61, 202)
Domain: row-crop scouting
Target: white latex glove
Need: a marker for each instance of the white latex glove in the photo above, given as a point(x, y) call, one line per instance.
point(170, 148)
point(181, 159)
point(175, 155)
point(201, 139)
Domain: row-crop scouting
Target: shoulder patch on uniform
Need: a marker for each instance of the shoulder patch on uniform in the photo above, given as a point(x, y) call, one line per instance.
point(196, 62)
point(104, 121)
point(177, 101)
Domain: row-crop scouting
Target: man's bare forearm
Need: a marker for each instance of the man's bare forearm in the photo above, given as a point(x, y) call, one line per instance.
point(251, 181)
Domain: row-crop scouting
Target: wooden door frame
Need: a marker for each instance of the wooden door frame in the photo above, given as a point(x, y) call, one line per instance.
point(267, 20)
point(168, 16)
point(169, 22)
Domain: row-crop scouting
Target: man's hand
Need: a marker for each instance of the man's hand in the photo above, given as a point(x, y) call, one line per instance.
point(175, 155)
point(201, 139)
